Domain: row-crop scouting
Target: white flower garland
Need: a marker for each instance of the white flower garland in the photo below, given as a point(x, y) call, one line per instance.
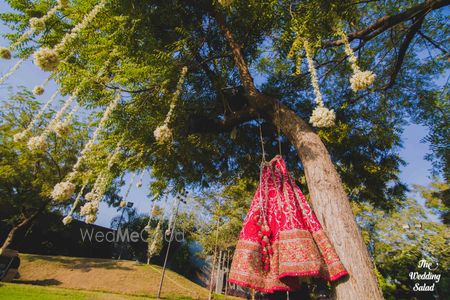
point(163, 134)
point(11, 71)
point(62, 128)
point(68, 219)
point(51, 126)
point(40, 89)
point(321, 116)
point(36, 24)
point(63, 191)
point(48, 59)
point(37, 144)
point(21, 136)
point(91, 142)
point(360, 80)
point(139, 183)
point(97, 131)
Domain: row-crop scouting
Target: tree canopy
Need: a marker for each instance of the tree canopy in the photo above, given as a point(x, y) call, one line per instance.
point(250, 68)
point(144, 50)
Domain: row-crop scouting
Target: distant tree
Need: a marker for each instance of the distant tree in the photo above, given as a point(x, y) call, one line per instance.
point(437, 198)
point(398, 240)
point(27, 179)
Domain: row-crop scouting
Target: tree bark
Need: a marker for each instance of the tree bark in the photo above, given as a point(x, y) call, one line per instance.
point(328, 197)
point(332, 207)
point(11, 234)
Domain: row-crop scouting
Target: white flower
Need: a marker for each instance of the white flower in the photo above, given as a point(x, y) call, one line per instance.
point(163, 134)
point(47, 59)
point(20, 136)
point(5, 53)
point(63, 190)
point(37, 24)
point(322, 117)
point(61, 128)
point(122, 204)
point(90, 208)
point(90, 219)
point(38, 90)
point(91, 196)
point(37, 143)
point(361, 80)
point(313, 72)
point(67, 219)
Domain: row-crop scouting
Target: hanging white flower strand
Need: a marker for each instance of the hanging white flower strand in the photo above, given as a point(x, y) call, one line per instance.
point(139, 183)
point(48, 59)
point(163, 134)
point(21, 136)
point(123, 203)
point(360, 80)
point(39, 143)
point(68, 219)
point(62, 128)
point(154, 244)
point(40, 89)
point(100, 127)
point(321, 116)
point(11, 71)
point(101, 182)
point(36, 24)
point(61, 190)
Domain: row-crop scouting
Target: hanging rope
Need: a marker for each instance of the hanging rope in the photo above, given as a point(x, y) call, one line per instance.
point(279, 126)
point(261, 140)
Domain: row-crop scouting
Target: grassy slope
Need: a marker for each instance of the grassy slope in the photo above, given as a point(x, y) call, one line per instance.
point(104, 275)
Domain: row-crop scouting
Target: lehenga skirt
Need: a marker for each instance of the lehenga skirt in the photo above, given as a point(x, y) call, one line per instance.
point(281, 240)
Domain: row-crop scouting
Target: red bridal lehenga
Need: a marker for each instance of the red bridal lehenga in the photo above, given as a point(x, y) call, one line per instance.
point(281, 239)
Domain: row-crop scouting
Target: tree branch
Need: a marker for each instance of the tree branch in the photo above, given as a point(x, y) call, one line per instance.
point(386, 22)
point(430, 40)
point(204, 124)
point(246, 77)
point(403, 49)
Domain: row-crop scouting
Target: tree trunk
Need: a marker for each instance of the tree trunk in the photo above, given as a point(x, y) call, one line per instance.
point(332, 207)
point(10, 237)
point(328, 198)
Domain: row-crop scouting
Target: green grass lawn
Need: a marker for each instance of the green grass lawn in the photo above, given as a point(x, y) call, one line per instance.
point(60, 277)
point(14, 291)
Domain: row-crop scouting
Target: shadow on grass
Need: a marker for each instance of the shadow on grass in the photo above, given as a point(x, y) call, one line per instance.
point(43, 282)
point(83, 264)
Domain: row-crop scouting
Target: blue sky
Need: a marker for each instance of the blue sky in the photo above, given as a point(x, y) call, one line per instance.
point(415, 172)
